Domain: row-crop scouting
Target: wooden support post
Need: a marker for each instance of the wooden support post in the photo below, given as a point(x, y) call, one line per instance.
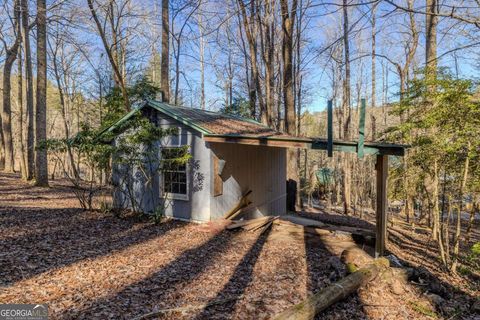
point(361, 130)
point(381, 208)
point(330, 128)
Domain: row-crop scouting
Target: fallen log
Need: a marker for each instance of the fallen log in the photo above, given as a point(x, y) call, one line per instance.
point(355, 258)
point(334, 293)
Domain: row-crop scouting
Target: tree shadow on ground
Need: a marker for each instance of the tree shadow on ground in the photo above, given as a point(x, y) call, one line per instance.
point(67, 237)
point(452, 301)
point(324, 267)
point(28, 218)
point(159, 288)
point(238, 282)
point(423, 279)
point(433, 283)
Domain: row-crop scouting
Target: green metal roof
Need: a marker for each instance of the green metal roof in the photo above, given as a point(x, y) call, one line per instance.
point(204, 121)
point(231, 128)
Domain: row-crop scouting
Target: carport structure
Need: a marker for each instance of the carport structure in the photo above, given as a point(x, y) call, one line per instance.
point(378, 149)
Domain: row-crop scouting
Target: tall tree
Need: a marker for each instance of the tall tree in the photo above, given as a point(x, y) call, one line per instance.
point(165, 63)
point(6, 119)
point(60, 71)
point(21, 145)
point(374, 48)
point(201, 28)
point(431, 21)
point(177, 44)
point(288, 21)
point(30, 151)
point(41, 162)
point(267, 44)
point(251, 33)
point(346, 111)
point(373, 98)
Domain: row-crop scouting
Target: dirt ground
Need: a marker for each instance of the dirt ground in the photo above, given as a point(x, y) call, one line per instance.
point(92, 265)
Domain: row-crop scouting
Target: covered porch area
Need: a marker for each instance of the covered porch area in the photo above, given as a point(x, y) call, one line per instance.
point(381, 151)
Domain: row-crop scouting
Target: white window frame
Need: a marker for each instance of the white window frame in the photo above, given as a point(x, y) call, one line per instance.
point(175, 196)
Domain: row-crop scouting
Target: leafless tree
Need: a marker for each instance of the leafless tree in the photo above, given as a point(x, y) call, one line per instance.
point(114, 14)
point(165, 69)
point(41, 161)
point(30, 151)
point(6, 118)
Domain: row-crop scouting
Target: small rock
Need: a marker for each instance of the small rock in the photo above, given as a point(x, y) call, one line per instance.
point(435, 298)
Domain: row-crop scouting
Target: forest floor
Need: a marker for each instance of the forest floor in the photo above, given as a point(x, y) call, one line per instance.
point(93, 265)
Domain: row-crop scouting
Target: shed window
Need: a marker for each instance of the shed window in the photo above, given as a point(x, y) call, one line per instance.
point(175, 182)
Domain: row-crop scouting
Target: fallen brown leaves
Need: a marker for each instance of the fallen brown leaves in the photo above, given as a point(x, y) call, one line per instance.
point(88, 265)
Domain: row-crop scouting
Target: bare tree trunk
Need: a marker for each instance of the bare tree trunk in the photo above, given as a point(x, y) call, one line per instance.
point(230, 78)
point(431, 38)
point(202, 62)
point(471, 219)
point(7, 114)
point(385, 93)
point(29, 92)
point(10, 57)
point(346, 112)
point(288, 21)
point(63, 112)
point(165, 64)
point(458, 228)
point(267, 42)
point(437, 231)
point(374, 75)
point(21, 145)
point(177, 69)
point(278, 89)
point(41, 164)
point(251, 38)
point(178, 40)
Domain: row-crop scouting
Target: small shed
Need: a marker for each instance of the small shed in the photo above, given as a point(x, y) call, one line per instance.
point(233, 155)
point(230, 155)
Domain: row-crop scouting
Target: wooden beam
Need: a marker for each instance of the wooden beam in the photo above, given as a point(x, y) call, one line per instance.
point(330, 128)
point(361, 130)
point(370, 148)
point(259, 141)
point(381, 168)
